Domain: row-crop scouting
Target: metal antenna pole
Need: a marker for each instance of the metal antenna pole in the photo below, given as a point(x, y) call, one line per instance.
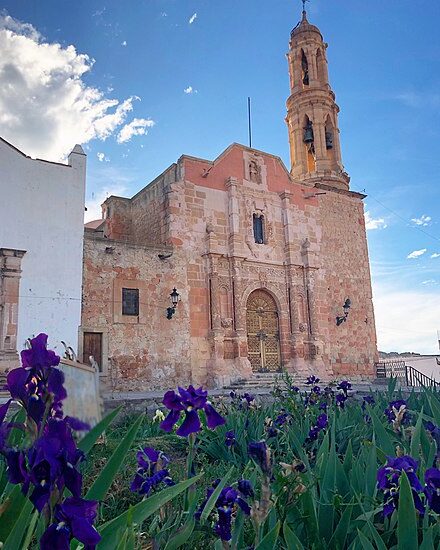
point(249, 122)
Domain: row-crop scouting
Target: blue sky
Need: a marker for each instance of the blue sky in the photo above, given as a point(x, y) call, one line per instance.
point(192, 65)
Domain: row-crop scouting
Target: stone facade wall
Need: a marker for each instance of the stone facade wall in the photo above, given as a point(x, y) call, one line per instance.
point(143, 219)
point(313, 257)
point(144, 352)
point(346, 274)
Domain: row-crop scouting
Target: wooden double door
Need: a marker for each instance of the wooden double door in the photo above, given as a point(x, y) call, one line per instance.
point(263, 333)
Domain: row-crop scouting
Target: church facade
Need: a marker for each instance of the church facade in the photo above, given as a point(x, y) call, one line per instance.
point(270, 264)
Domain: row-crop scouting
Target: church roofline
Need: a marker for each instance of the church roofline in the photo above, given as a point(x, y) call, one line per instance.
point(36, 159)
point(152, 182)
point(345, 192)
point(229, 148)
point(206, 161)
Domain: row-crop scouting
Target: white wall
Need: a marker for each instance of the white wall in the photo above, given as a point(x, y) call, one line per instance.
point(42, 212)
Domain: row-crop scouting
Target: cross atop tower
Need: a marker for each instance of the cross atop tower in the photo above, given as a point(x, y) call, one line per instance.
point(304, 4)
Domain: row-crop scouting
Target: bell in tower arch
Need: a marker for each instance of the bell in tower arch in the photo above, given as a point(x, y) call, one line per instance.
point(329, 139)
point(308, 133)
point(305, 69)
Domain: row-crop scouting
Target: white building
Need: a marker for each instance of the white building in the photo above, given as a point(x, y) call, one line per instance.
point(41, 247)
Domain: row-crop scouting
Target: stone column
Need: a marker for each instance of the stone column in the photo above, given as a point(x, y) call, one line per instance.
point(315, 343)
point(313, 67)
point(235, 239)
point(242, 361)
point(215, 303)
point(10, 274)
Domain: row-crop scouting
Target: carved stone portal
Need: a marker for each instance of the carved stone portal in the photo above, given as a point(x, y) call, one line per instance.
point(263, 333)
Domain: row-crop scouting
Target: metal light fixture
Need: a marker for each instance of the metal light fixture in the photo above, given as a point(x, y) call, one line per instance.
point(175, 299)
point(343, 318)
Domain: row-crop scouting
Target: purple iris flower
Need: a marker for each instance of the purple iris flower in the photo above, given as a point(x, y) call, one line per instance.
point(313, 433)
point(245, 488)
point(259, 451)
point(36, 379)
point(74, 518)
point(430, 426)
point(432, 489)
point(388, 481)
point(344, 385)
point(398, 404)
point(189, 401)
point(323, 406)
point(151, 472)
point(312, 380)
point(282, 419)
point(316, 389)
point(230, 438)
point(368, 400)
point(226, 505)
point(52, 462)
point(271, 431)
point(295, 389)
point(311, 399)
point(340, 400)
point(434, 431)
point(38, 356)
point(321, 424)
point(249, 398)
point(322, 421)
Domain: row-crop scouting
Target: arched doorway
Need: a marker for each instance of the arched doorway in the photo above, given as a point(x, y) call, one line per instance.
point(263, 332)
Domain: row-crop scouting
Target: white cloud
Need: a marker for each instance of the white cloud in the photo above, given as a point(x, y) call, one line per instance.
point(374, 223)
point(164, 14)
point(416, 254)
point(124, 43)
point(93, 203)
point(423, 220)
point(137, 127)
point(98, 13)
point(435, 255)
point(102, 157)
point(190, 90)
point(45, 105)
point(406, 320)
point(429, 282)
point(418, 99)
point(192, 18)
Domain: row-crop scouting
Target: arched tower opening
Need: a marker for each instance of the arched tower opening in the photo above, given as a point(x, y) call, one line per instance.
point(309, 144)
point(305, 75)
point(330, 139)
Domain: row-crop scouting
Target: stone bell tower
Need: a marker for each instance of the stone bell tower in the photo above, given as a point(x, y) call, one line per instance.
point(312, 113)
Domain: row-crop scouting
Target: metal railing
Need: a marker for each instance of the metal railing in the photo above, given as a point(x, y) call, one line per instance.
point(408, 375)
point(391, 369)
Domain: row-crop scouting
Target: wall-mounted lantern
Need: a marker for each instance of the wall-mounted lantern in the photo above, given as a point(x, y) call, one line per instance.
point(342, 318)
point(175, 299)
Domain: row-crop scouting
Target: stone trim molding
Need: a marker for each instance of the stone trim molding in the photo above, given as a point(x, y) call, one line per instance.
point(10, 275)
